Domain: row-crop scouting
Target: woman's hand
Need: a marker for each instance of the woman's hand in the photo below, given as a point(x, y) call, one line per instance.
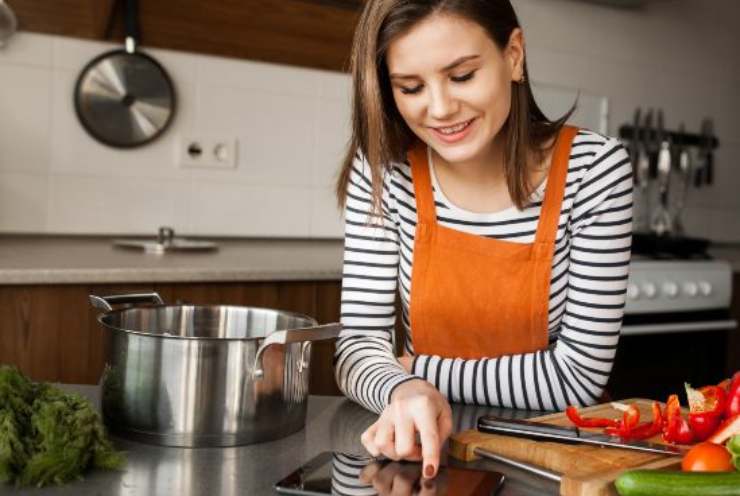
point(397, 479)
point(416, 406)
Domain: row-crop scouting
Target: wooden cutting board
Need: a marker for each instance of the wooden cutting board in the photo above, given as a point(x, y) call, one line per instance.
point(587, 470)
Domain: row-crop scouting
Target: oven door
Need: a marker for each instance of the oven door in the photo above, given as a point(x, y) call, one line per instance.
point(673, 322)
point(660, 352)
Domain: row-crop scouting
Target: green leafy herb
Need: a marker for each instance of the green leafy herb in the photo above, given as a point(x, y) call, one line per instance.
point(48, 435)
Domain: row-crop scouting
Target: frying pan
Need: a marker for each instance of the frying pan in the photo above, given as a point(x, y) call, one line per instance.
point(124, 98)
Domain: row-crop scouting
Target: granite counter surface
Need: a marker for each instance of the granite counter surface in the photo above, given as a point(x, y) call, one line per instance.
point(333, 424)
point(94, 260)
point(87, 260)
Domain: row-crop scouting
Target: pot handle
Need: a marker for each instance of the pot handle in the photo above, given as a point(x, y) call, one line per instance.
point(106, 303)
point(305, 334)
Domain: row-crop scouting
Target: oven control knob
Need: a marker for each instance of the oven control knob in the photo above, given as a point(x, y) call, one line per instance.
point(670, 289)
point(705, 288)
point(649, 290)
point(691, 289)
point(633, 292)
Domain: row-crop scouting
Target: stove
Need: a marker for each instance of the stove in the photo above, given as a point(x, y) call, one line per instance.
point(676, 326)
point(676, 295)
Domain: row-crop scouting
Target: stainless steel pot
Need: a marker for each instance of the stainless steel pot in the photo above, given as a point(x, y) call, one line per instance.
point(183, 375)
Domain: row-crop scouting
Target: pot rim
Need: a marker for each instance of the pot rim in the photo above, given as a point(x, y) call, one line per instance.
point(198, 338)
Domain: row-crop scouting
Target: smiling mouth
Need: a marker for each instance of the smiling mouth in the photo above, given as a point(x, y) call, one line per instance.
point(454, 129)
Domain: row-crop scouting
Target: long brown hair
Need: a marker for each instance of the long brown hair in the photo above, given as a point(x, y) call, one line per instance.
point(378, 130)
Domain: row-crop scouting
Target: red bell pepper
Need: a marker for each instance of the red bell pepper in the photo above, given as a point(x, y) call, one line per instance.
point(575, 417)
point(730, 427)
point(676, 429)
point(706, 408)
point(630, 419)
point(644, 430)
point(732, 404)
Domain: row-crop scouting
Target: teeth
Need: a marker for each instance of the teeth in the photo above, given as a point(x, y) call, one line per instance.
point(453, 129)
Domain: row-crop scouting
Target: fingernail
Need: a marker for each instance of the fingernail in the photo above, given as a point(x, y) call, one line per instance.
point(429, 471)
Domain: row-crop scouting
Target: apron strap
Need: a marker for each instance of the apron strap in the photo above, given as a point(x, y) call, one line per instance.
point(547, 226)
point(425, 210)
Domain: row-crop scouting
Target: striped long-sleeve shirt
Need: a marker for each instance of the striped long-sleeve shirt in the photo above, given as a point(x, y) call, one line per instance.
point(587, 289)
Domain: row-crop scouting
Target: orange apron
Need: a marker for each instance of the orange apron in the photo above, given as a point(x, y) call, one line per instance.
point(475, 297)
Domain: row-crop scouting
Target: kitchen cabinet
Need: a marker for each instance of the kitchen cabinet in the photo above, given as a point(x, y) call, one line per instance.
point(51, 333)
point(309, 33)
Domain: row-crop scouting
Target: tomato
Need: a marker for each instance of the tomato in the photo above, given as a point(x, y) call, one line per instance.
point(707, 457)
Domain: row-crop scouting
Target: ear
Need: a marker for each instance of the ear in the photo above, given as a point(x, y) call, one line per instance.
point(514, 54)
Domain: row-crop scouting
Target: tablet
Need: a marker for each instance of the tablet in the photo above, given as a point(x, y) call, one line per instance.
point(335, 473)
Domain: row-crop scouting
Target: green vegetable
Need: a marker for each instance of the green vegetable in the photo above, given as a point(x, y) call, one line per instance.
point(733, 446)
point(674, 483)
point(16, 395)
point(48, 435)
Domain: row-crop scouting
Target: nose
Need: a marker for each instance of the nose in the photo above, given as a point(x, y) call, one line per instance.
point(441, 103)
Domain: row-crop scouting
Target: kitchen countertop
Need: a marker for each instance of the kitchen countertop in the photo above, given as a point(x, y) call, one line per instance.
point(333, 423)
point(86, 260)
point(94, 260)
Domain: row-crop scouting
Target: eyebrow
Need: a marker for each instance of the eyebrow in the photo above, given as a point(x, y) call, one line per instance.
point(455, 63)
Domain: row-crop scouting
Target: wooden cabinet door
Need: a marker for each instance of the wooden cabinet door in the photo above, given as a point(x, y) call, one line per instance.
point(51, 332)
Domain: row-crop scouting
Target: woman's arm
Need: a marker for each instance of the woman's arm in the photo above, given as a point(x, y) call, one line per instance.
point(365, 365)
point(576, 368)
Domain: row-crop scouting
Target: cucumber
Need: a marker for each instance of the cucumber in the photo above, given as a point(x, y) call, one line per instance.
point(674, 483)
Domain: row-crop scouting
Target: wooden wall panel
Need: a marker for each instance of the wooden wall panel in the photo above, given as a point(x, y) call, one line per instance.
point(296, 32)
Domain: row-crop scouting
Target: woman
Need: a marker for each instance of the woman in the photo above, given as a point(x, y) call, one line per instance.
point(506, 235)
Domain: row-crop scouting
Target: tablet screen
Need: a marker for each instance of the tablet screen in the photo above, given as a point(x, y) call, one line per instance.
point(352, 475)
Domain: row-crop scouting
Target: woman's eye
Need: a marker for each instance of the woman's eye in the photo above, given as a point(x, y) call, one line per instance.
point(410, 91)
point(463, 78)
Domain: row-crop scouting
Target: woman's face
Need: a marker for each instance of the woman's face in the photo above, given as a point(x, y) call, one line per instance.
point(452, 84)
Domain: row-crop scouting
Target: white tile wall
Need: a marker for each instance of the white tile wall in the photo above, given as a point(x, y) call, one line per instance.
point(25, 105)
point(95, 204)
point(246, 210)
point(23, 201)
point(292, 124)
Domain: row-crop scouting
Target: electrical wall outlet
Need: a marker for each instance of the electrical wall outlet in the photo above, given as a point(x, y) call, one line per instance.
point(206, 152)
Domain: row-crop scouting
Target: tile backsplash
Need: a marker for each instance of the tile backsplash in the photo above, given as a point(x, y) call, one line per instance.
point(291, 124)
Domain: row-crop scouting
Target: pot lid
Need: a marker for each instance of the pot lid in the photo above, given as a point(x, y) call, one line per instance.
point(166, 241)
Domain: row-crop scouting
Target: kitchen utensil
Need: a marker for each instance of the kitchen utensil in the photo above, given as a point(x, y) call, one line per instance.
point(8, 23)
point(586, 470)
point(166, 241)
point(708, 134)
point(538, 430)
point(528, 467)
point(661, 222)
point(184, 375)
point(685, 171)
point(652, 146)
point(634, 144)
point(642, 221)
point(124, 98)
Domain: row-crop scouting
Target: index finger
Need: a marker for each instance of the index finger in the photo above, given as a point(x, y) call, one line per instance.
point(430, 445)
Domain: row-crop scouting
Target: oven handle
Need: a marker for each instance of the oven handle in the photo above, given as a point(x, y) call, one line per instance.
point(708, 325)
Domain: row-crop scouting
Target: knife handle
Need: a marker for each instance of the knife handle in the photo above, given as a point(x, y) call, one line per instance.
point(709, 174)
point(517, 427)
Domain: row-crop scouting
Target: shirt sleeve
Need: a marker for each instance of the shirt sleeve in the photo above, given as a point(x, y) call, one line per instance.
point(575, 368)
point(365, 365)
